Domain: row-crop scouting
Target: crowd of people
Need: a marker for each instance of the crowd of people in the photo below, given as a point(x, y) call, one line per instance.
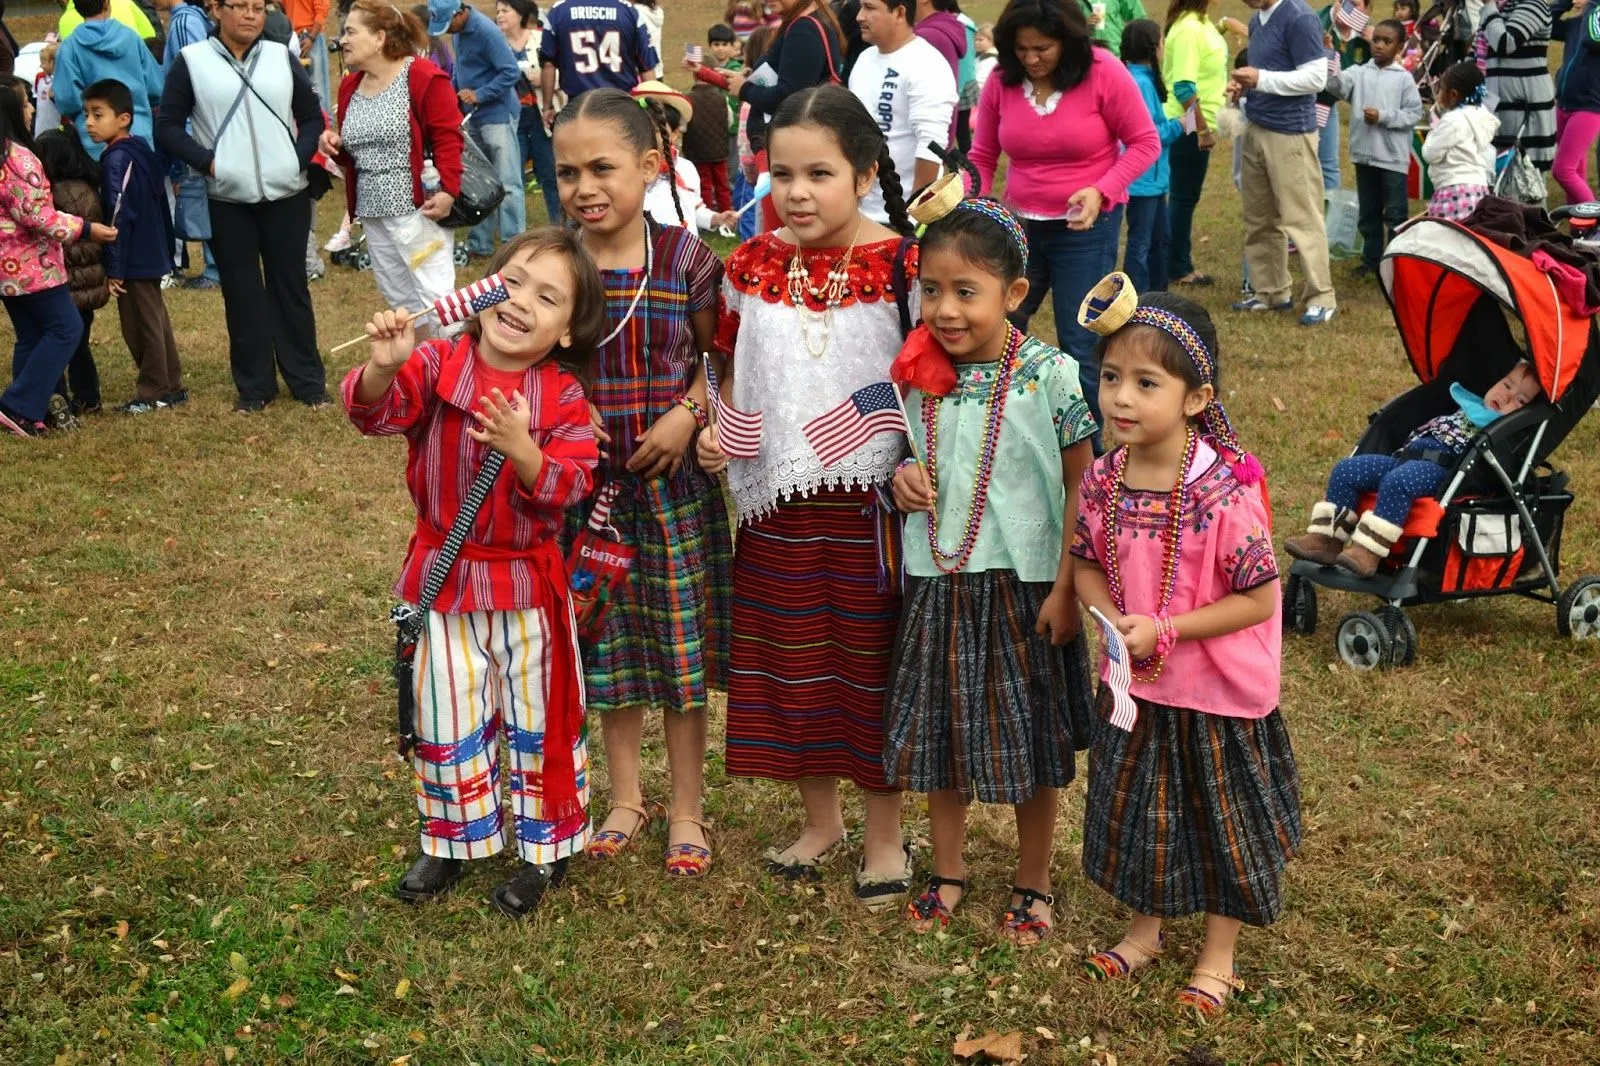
point(922, 510)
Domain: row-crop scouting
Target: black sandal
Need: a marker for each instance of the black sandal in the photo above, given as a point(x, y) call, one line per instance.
point(880, 891)
point(800, 868)
point(428, 877)
point(522, 891)
point(930, 906)
point(1020, 921)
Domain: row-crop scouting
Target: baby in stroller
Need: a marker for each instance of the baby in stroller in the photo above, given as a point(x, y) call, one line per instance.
point(1340, 535)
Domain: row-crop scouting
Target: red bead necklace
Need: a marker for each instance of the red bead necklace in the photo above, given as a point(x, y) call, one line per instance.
point(954, 562)
point(1171, 545)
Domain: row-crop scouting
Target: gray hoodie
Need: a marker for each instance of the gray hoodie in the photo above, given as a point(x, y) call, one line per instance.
point(1390, 90)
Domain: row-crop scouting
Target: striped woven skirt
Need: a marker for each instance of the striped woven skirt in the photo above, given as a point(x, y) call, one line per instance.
point(665, 642)
point(1192, 813)
point(978, 702)
point(813, 631)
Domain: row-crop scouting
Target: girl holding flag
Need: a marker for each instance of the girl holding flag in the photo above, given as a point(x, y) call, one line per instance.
point(991, 691)
point(1194, 806)
point(812, 317)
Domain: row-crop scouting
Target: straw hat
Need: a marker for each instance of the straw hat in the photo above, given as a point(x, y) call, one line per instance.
point(937, 200)
point(660, 90)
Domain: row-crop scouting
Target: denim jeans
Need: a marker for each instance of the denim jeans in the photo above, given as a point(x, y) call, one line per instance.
point(1066, 264)
point(1383, 206)
point(535, 145)
point(1145, 259)
point(319, 71)
point(499, 142)
point(1189, 165)
point(1328, 152)
point(47, 328)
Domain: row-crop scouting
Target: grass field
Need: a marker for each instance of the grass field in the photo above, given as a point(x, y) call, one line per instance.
point(201, 816)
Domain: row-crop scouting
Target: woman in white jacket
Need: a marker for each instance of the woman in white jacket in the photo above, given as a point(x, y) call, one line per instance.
point(652, 18)
point(1459, 149)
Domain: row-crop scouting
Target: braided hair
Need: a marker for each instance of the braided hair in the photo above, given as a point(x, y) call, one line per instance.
point(837, 110)
point(667, 120)
point(644, 124)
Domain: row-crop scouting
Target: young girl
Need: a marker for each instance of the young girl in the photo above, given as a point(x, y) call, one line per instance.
point(47, 117)
point(1459, 150)
point(678, 200)
point(988, 56)
point(665, 641)
point(742, 17)
point(811, 315)
point(1145, 259)
point(74, 184)
point(34, 285)
point(1195, 807)
point(991, 690)
point(498, 651)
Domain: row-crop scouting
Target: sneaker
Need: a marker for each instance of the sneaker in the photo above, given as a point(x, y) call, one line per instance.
point(318, 274)
point(58, 413)
point(176, 398)
point(250, 407)
point(79, 407)
point(171, 281)
point(200, 281)
point(141, 407)
point(1317, 316)
point(1255, 303)
point(338, 242)
point(319, 402)
point(19, 426)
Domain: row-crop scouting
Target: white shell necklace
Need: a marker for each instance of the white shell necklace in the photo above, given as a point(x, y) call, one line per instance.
point(829, 295)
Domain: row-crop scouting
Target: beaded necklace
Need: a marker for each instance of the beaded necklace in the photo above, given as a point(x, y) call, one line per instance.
point(830, 294)
point(952, 562)
point(1171, 544)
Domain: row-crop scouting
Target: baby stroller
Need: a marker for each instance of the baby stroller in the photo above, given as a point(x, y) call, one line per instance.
point(1495, 529)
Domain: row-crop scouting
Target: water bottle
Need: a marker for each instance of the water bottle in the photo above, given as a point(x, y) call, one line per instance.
point(430, 178)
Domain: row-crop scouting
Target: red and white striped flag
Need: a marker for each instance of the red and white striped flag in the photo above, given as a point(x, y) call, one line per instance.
point(694, 53)
point(1351, 19)
point(863, 415)
point(1119, 678)
point(464, 303)
point(738, 432)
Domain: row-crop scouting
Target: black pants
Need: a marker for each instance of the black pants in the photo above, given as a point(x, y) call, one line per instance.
point(269, 323)
point(81, 383)
point(1189, 165)
point(1382, 198)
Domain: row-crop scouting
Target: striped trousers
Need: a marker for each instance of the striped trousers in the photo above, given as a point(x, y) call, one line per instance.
point(481, 675)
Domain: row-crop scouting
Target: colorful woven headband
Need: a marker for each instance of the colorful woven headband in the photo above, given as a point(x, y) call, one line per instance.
point(944, 196)
point(998, 212)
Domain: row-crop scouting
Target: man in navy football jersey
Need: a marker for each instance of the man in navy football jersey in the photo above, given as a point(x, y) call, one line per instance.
point(593, 44)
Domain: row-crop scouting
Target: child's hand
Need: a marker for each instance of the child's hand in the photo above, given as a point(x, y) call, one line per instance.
point(912, 489)
point(1371, 115)
point(393, 337)
point(504, 425)
point(101, 233)
point(598, 423)
point(1058, 617)
point(115, 286)
point(663, 446)
point(690, 65)
point(713, 460)
point(1139, 634)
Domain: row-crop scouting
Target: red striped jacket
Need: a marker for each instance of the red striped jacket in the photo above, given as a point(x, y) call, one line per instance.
point(503, 565)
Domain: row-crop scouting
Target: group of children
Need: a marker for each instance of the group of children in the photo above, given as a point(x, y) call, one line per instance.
point(920, 517)
point(107, 232)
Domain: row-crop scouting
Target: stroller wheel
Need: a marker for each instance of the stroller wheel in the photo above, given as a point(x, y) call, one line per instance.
point(1402, 636)
point(1299, 606)
point(1578, 609)
point(363, 260)
point(1363, 642)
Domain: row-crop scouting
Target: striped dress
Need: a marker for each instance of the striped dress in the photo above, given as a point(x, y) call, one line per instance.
point(1517, 36)
point(665, 641)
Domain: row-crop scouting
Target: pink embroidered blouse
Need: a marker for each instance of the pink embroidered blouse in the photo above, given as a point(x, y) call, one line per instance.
point(31, 229)
point(1227, 548)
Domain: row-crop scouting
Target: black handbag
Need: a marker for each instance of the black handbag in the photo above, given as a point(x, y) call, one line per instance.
point(481, 191)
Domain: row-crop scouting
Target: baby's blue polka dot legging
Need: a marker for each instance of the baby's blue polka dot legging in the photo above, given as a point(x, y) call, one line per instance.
point(1398, 482)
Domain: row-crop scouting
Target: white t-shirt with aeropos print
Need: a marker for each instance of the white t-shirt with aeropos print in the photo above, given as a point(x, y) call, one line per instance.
point(911, 92)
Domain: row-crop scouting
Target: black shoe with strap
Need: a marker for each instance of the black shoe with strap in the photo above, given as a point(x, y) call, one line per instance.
point(428, 877)
point(930, 907)
point(522, 891)
point(1019, 924)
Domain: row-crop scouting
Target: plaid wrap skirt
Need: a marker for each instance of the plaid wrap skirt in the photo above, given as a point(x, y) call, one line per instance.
point(978, 702)
point(1192, 813)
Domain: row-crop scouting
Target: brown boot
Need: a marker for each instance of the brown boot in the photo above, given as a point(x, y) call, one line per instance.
point(1325, 537)
point(1371, 543)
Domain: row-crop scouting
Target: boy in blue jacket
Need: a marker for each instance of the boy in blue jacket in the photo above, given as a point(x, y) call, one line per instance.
point(133, 192)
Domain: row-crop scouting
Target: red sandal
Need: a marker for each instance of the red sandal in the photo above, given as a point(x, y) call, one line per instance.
point(1019, 924)
point(609, 843)
point(688, 860)
point(1112, 965)
point(1208, 1004)
point(929, 911)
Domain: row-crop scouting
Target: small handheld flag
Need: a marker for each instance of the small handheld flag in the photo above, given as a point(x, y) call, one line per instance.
point(738, 432)
point(863, 415)
point(1119, 678)
point(122, 194)
point(456, 306)
point(694, 53)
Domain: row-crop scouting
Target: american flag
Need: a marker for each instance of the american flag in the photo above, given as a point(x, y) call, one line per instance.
point(1351, 18)
point(1324, 111)
point(738, 432)
point(694, 53)
point(864, 414)
point(464, 303)
point(1124, 712)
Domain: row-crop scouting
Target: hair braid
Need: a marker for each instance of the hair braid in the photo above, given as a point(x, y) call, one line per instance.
point(894, 197)
point(658, 115)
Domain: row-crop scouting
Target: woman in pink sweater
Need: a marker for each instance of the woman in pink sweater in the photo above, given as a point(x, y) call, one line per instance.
point(1069, 118)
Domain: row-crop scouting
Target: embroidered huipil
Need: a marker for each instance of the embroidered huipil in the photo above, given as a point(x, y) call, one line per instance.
point(1227, 548)
point(1045, 413)
point(31, 229)
point(774, 373)
point(430, 403)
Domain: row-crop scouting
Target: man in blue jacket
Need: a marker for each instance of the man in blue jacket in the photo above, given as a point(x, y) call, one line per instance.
point(98, 50)
point(485, 78)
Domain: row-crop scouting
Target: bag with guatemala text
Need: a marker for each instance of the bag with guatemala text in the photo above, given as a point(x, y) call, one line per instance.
point(598, 565)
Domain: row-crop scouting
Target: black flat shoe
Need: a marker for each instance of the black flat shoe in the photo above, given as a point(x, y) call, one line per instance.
point(428, 877)
point(881, 891)
point(522, 891)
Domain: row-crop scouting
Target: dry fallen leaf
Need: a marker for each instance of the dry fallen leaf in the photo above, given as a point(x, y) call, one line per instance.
point(344, 990)
point(122, 929)
point(237, 989)
point(1046, 1033)
point(1279, 406)
point(238, 963)
point(990, 1047)
point(402, 988)
point(344, 975)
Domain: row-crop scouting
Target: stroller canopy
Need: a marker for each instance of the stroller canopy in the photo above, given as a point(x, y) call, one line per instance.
point(1434, 273)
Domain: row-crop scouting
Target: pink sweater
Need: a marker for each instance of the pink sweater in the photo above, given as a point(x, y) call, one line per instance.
point(1100, 134)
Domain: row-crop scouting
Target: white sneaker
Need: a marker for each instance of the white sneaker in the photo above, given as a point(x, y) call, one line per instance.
point(171, 281)
point(338, 242)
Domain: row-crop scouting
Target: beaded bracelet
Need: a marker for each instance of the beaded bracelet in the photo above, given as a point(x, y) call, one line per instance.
point(907, 461)
point(1166, 636)
point(687, 402)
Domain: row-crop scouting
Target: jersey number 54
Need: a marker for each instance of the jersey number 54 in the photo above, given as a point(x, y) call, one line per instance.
point(589, 55)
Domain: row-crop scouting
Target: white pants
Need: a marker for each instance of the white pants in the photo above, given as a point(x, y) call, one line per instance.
point(393, 242)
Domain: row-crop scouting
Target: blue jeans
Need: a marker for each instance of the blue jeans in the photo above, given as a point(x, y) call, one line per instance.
point(1328, 152)
point(191, 216)
point(1145, 258)
point(1398, 482)
point(535, 145)
point(499, 142)
point(742, 191)
point(47, 328)
point(1067, 264)
point(1381, 195)
point(319, 70)
point(1189, 165)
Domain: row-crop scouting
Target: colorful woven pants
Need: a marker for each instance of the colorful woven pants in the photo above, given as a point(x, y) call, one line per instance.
point(480, 675)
